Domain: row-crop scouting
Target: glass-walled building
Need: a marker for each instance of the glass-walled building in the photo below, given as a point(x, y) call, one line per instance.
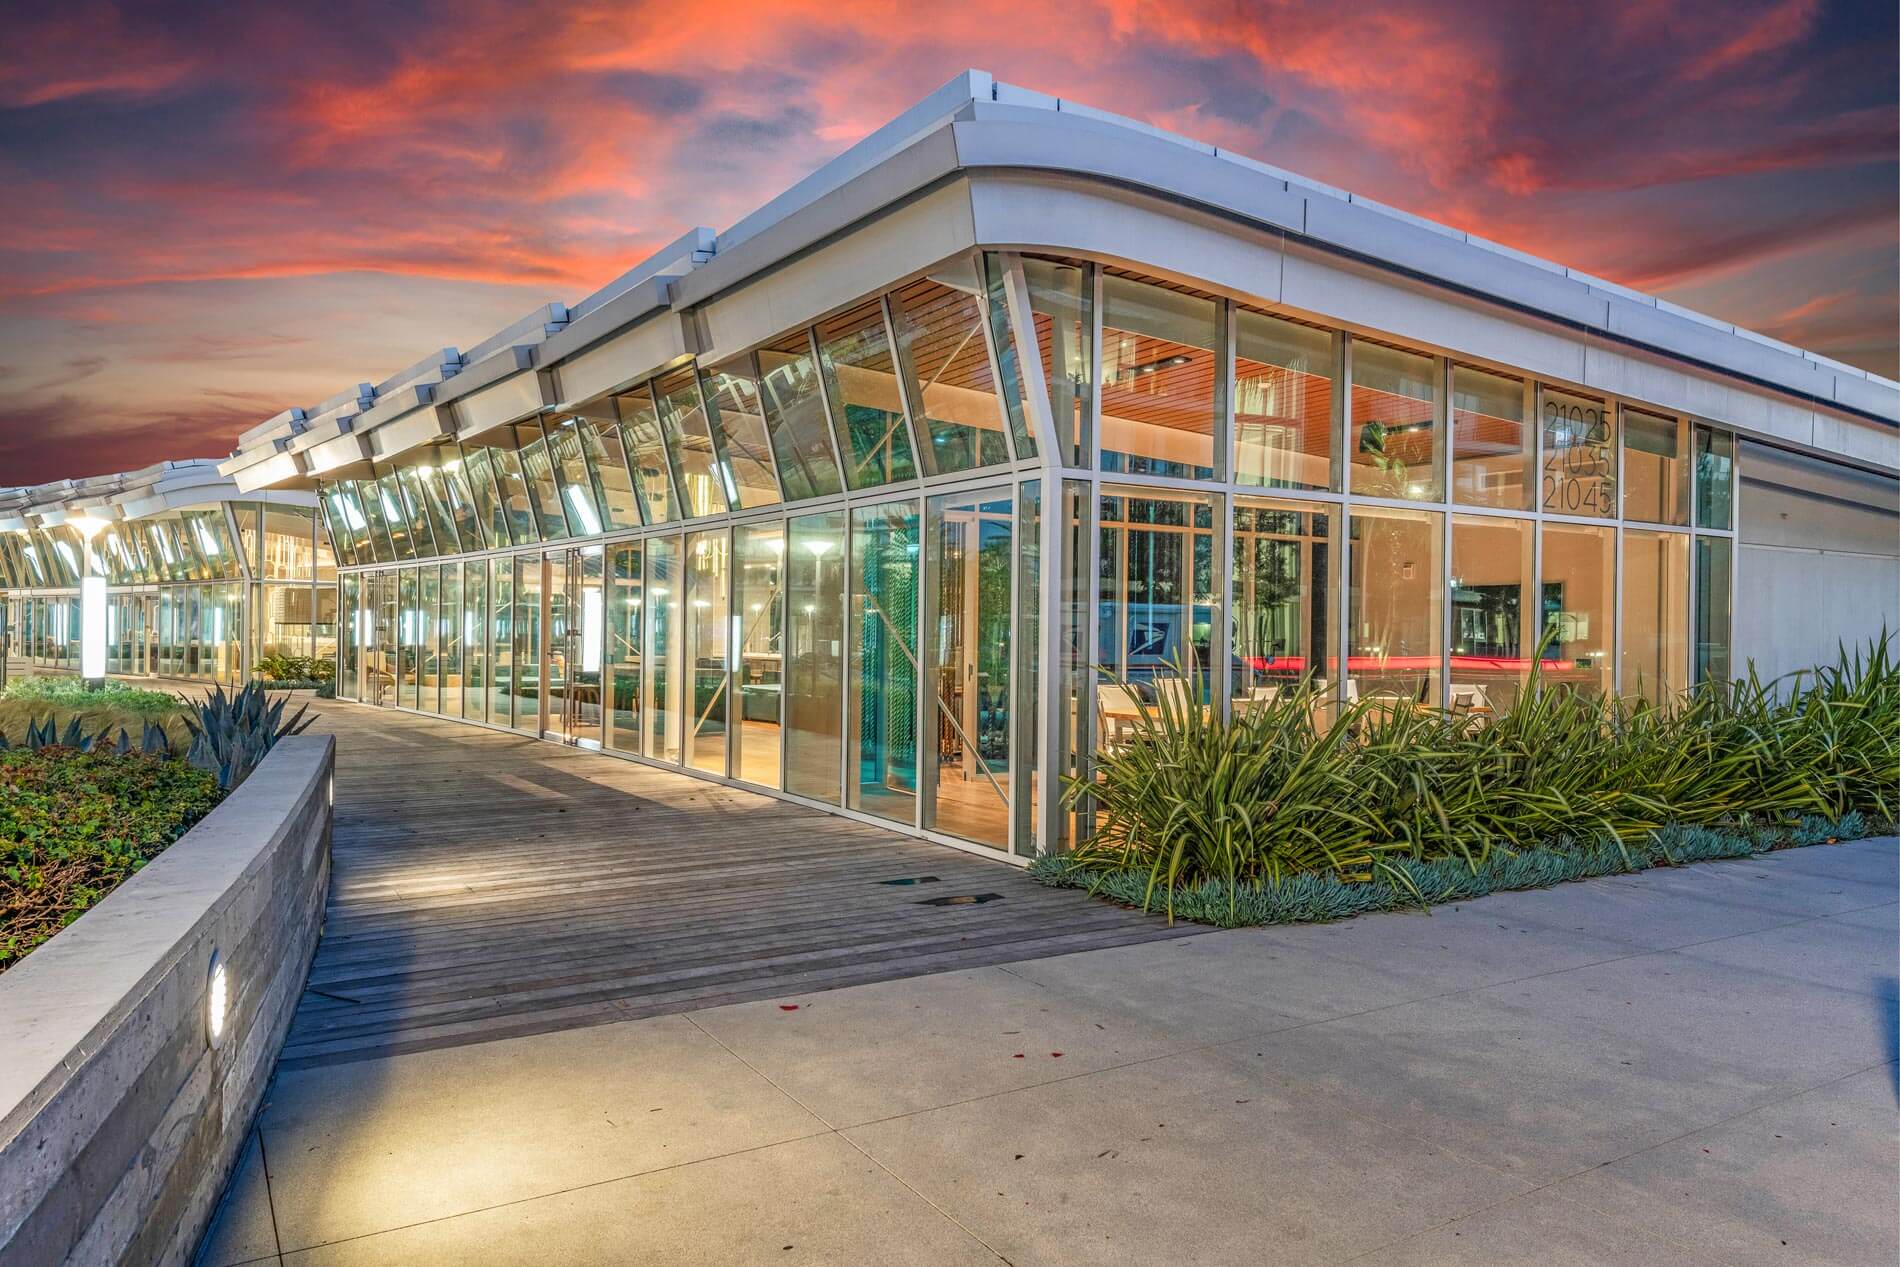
point(201, 583)
point(903, 496)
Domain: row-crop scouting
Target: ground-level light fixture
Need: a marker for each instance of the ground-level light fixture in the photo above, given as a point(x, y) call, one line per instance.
point(217, 1001)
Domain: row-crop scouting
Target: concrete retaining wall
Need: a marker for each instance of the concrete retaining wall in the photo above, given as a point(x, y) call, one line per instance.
point(122, 1123)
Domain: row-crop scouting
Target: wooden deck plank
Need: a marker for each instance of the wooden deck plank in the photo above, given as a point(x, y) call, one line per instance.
point(487, 885)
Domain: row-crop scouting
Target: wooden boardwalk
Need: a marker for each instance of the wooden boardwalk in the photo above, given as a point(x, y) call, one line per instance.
point(487, 885)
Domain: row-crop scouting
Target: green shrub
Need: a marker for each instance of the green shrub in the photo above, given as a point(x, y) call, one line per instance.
point(295, 668)
point(73, 694)
point(1254, 804)
point(73, 825)
point(230, 734)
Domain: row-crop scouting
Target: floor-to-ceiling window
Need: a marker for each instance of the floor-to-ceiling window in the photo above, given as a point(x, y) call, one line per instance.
point(624, 645)
point(881, 757)
point(814, 655)
point(970, 562)
point(758, 668)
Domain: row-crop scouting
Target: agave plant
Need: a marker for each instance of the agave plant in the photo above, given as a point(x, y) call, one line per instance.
point(230, 734)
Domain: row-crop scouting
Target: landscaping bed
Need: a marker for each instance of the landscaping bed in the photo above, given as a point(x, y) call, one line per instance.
point(1288, 815)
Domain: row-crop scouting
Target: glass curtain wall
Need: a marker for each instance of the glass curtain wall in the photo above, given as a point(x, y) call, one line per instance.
point(881, 746)
point(758, 666)
point(814, 656)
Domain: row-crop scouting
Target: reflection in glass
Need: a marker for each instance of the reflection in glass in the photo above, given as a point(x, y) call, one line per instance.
point(947, 366)
point(1009, 365)
point(1655, 468)
point(408, 635)
point(350, 641)
point(607, 466)
point(447, 460)
point(1655, 614)
point(704, 641)
point(1283, 402)
point(625, 625)
point(1396, 621)
point(424, 485)
point(1395, 423)
point(1578, 592)
point(814, 650)
point(390, 510)
point(867, 411)
point(689, 446)
point(501, 646)
point(1062, 301)
point(475, 640)
point(795, 418)
point(449, 639)
point(662, 669)
point(881, 774)
point(1713, 608)
point(1286, 588)
point(646, 455)
point(1027, 672)
point(526, 679)
point(1579, 455)
point(415, 506)
point(738, 431)
point(1159, 372)
point(1493, 625)
point(1157, 599)
point(1714, 477)
point(478, 465)
point(758, 673)
point(971, 562)
point(1490, 439)
point(584, 515)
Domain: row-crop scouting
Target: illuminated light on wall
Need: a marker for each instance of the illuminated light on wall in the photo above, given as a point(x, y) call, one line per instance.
point(217, 1001)
point(92, 627)
point(592, 613)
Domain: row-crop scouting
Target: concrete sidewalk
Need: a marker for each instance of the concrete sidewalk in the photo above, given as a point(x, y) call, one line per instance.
point(1691, 1066)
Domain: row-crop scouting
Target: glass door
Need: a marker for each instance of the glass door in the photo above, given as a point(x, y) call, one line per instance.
point(572, 657)
point(529, 641)
point(971, 561)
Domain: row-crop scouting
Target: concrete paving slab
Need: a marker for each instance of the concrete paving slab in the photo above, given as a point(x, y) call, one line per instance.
point(1836, 953)
point(1537, 1228)
point(1766, 883)
point(1545, 1077)
point(244, 1232)
point(810, 1201)
point(1810, 1179)
point(876, 1051)
point(1183, 1160)
point(1868, 861)
point(370, 1146)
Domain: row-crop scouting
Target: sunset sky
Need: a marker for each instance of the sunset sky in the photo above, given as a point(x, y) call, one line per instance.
point(213, 214)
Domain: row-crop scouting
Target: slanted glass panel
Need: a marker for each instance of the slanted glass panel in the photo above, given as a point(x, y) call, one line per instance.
point(463, 512)
point(475, 678)
point(435, 497)
point(211, 534)
point(1493, 611)
point(1284, 376)
point(1655, 592)
point(1062, 301)
point(1397, 621)
point(689, 446)
point(1395, 423)
point(707, 572)
point(1714, 608)
point(881, 768)
point(478, 464)
point(435, 533)
point(565, 442)
point(1009, 361)
point(1286, 592)
point(1156, 596)
point(337, 522)
point(663, 694)
point(646, 455)
point(512, 485)
point(537, 469)
point(421, 529)
point(1656, 480)
point(1578, 591)
point(1579, 455)
point(599, 430)
point(1490, 440)
point(947, 366)
point(624, 644)
point(970, 539)
point(794, 409)
point(814, 656)
point(395, 516)
point(1714, 479)
point(365, 541)
point(449, 640)
point(867, 409)
point(501, 641)
point(758, 673)
point(738, 430)
point(408, 638)
point(1160, 395)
